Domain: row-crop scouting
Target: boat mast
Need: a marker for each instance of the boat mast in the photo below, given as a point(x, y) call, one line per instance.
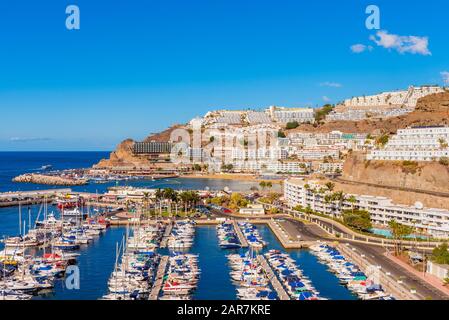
point(29, 219)
point(20, 218)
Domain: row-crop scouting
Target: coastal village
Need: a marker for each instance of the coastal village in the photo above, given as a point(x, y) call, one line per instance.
point(361, 185)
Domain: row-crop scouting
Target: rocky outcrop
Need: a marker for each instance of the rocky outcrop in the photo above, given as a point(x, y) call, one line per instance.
point(49, 180)
point(123, 156)
point(429, 176)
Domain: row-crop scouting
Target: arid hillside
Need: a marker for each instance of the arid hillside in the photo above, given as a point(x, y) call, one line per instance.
point(429, 176)
point(430, 110)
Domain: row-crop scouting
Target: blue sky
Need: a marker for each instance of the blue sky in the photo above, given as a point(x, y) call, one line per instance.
point(136, 67)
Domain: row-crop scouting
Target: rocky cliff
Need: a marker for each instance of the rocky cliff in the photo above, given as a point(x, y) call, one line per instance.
point(429, 176)
point(123, 155)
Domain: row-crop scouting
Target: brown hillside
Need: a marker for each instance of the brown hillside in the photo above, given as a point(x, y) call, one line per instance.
point(430, 110)
point(429, 176)
point(124, 157)
point(163, 136)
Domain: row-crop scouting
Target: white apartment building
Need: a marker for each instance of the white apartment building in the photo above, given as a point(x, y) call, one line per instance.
point(415, 144)
point(330, 167)
point(257, 166)
point(316, 153)
point(273, 153)
point(288, 167)
point(285, 115)
point(383, 105)
point(332, 139)
point(434, 222)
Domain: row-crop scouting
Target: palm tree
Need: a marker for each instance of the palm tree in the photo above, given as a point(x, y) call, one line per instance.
point(327, 201)
point(159, 194)
point(330, 186)
point(338, 197)
point(352, 200)
point(146, 199)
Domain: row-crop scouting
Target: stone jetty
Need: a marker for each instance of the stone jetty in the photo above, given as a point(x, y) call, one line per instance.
point(49, 180)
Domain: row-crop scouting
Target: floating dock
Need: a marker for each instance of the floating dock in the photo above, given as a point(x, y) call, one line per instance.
point(167, 233)
point(242, 238)
point(275, 283)
point(158, 281)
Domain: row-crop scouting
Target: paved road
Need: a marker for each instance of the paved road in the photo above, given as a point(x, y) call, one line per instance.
point(376, 256)
point(373, 254)
point(309, 232)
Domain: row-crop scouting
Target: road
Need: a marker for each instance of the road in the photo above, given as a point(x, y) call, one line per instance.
point(374, 254)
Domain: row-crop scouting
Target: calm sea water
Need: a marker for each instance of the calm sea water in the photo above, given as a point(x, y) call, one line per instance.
point(215, 282)
point(13, 164)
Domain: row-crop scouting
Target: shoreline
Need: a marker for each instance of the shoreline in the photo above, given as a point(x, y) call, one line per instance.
point(228, 176)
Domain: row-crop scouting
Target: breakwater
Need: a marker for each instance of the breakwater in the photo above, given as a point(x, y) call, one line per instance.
point(49, 180)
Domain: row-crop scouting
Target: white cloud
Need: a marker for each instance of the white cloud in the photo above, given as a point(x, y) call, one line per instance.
point(445, 76)
point(359, 48)
point(402, 44)
point(24, 139)
point(326, 99)
point(331, 84)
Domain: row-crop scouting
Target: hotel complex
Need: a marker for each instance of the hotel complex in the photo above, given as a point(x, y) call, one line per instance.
point(383, 105)
point(312, 194)
point(415, 144)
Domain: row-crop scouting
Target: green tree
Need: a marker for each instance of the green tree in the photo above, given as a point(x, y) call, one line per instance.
point(292, 125)
point(352, 200)
point(399, 232)
point(444, 161)
point(330, 186)
point(358, 219)
point(443, 143)
point(320, 114)
point(440, 254)
point(237, 201)
point(382, 140)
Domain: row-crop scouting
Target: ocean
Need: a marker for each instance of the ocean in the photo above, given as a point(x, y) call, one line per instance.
point(13, 164)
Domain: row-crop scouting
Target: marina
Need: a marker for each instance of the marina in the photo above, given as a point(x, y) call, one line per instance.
point(155, 291)
point(282, 294)
point(172, 258)
point(146, 241)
